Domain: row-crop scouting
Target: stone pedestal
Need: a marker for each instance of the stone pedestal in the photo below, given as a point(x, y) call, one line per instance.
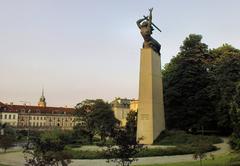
point(151, 120)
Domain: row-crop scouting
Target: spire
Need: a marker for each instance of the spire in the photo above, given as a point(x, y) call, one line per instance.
point(42, 101)
point(42, 91)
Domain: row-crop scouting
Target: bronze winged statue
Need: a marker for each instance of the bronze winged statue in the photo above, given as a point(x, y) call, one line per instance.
point(146, 27)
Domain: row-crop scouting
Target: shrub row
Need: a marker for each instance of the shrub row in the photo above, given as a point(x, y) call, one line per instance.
point(179, 150)
point(181, 137)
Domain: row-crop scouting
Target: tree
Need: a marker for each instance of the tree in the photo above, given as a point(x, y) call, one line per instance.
point(95, 118)
point(225, 72)
point(186, 82)
point(7, 137)
point(125, 145)
point(235, 119)
point(131, 125)
point(48, 149)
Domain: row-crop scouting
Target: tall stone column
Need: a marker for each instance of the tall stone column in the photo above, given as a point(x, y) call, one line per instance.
point(151, 120)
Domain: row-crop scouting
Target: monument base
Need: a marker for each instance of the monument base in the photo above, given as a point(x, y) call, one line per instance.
point(151, 120)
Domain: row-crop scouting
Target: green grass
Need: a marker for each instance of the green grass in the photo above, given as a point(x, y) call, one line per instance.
point(218, 161)
point(3, 165)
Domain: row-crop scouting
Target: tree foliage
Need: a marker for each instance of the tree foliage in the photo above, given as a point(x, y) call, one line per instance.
point(126, 146)
point(226, 75)
point(95, 118)
point(200, 86)
point(7, 137)
point(186, 82)
point(235, 119)
point(48, 149)
point(131, 125)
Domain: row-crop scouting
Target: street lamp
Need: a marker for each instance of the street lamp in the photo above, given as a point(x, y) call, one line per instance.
point(2, 132)
point(28, 119)
point(2, 127)
point(28, 126)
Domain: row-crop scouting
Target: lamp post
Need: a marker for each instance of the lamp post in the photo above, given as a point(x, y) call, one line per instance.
point(28, 126)
point(2, 132)
point(28, 119)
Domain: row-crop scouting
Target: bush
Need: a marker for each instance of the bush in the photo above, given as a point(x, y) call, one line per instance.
point(235, 161)
point(48, 149)
point(8, 138)
point(234, 142)
point(86, 154)
point(181, 137)
point(179, 150)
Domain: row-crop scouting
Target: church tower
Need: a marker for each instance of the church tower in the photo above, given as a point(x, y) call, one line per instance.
point(42, 101)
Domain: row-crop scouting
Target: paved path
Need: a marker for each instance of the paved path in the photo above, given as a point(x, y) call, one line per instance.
point(17, 158)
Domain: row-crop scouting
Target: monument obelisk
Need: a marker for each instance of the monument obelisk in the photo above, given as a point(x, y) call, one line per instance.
point(151, 121)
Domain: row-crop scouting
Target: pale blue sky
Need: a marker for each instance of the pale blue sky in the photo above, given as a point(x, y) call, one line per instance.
point(81, 49)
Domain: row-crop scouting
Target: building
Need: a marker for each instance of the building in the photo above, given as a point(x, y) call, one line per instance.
point(10, 118)
point(38, 117)
point(121, 108)
point(134, 105)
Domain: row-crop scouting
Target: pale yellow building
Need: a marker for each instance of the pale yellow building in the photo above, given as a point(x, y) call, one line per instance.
point(121, 107)
point(134, 105)
point(10, 118)
point(47, 120)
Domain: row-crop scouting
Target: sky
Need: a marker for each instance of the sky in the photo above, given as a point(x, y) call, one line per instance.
point(88, 49)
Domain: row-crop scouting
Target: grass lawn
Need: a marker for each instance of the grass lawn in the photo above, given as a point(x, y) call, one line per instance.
point(218, 161)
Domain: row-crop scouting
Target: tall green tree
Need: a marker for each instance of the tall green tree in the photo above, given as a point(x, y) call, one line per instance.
point(186, 80)
point(95, 118)
point(235, 119)
point(225, 71)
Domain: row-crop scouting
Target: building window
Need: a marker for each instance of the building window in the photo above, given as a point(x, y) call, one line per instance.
point(13, 116)
point(5, 116)
point(9, 116)
point(1, 116)
point(34, 118)
point(37, 118)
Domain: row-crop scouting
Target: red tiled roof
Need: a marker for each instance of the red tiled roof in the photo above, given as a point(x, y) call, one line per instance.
point(1, 104)
point(37, 109)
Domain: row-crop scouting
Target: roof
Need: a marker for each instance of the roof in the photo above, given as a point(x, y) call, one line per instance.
point(37, 109)
point(1, 104)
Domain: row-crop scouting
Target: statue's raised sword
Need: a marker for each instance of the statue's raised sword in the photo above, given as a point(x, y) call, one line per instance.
point(152, 23)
